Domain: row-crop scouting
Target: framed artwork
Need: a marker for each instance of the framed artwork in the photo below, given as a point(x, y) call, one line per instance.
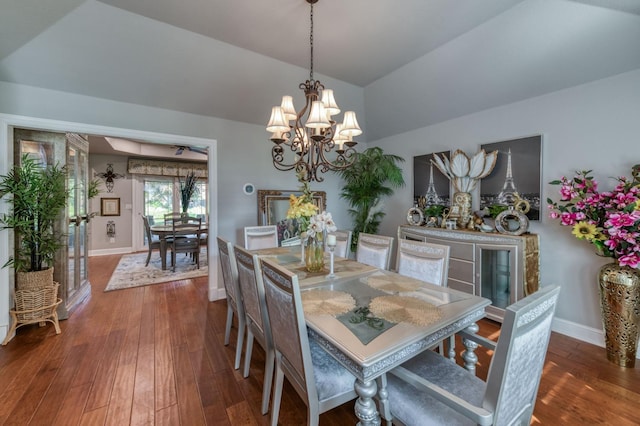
point(422, 182)
point(109, 206)
point(272, 210)
point(518, 170)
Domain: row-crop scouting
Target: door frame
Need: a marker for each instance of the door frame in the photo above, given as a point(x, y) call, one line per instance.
point(8, 122)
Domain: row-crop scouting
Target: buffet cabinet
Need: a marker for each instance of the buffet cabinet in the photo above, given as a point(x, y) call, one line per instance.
point(502, 268)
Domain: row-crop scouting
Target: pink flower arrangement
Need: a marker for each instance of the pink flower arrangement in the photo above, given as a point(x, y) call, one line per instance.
point(609, 220)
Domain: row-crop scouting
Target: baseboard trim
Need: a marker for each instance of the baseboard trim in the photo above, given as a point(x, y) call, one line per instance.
point(591, 335)
point(106, 252)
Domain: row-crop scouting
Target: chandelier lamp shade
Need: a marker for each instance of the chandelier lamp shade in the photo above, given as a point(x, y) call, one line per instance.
point(311, 140)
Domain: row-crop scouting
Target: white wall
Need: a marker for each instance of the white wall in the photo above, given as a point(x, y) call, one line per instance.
point(593, 126)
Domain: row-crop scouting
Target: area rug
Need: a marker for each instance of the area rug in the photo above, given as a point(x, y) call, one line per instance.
point(131, 271)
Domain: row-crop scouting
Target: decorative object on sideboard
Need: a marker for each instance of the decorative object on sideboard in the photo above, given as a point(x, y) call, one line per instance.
point(309, 151)
point(464, 173)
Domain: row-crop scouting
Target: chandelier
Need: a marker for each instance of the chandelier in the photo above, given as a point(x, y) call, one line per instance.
point(311, 144)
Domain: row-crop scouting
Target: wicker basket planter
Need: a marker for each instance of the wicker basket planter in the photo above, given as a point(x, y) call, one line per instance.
point(35, 306)
point(34, 280)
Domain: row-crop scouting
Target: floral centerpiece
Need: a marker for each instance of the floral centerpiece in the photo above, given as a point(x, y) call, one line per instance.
point(302, 208)
point(610, 220)
point(319, 225)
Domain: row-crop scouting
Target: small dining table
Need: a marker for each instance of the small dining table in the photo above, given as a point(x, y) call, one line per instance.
point(164, 231)
point(392, 319)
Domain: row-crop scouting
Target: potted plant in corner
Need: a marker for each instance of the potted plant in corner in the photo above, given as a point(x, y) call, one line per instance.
point(367, 181)
point(37, 194)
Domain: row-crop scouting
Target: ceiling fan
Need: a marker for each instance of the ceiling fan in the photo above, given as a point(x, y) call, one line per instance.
point(181, 148)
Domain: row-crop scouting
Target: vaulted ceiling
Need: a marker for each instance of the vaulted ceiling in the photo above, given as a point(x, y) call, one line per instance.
point(404, 64)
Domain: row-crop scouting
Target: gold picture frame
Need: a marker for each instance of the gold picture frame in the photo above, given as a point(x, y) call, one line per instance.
point(109, 206)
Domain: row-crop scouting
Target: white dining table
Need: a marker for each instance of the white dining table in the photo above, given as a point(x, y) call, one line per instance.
point(446, 312)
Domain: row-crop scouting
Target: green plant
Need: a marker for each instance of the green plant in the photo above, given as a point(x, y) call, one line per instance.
point(496, 209)
point(434, 211)
point(93, 188)
point(38, 194)
point(187, 189)
point(367, 182)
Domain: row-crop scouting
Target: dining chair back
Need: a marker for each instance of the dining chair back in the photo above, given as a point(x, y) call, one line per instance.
point(234, 300)
point(152, 243)
point(343, 242)
point(423, 261)
point(257, 320)
point(169, 218)
point(317, 377)
point(259, 237)
point(374, 250)
point(430, 389)
point(185, 238)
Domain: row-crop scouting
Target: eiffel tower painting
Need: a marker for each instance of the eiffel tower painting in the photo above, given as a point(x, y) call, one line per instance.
point(509, 192)
point(517, 173)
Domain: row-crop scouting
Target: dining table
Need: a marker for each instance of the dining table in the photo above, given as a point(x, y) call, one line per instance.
point(163, 231)
point(372, 320)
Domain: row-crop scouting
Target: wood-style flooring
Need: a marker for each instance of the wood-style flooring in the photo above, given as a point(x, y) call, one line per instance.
point(155, 355)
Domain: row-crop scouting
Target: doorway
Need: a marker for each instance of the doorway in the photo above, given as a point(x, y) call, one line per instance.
point(7, 125)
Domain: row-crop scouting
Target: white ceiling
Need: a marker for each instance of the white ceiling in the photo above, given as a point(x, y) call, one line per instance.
point(234, 59)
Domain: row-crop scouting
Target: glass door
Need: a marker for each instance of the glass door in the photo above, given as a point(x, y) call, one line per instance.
point(77, 228)
point(496, 276)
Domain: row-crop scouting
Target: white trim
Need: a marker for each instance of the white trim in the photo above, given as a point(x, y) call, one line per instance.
point(8, 122)
point(591, 335)
point(106, 252)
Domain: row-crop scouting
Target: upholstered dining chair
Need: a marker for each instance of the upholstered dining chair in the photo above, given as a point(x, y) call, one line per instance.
point(320, 380)
point(234, 297)
point(343, 242)
point(185, 238)
point(432, 390)
point(257, 320)
point(152, 243)
point(259, 237)
point(423, 261)
point(374, 250)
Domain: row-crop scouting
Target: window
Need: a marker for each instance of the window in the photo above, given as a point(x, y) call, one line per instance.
point(162, 195)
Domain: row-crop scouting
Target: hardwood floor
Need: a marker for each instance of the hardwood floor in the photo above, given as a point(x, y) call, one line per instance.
point(155, 355)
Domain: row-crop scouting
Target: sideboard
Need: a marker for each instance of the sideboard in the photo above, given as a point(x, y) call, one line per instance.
point(503, 268)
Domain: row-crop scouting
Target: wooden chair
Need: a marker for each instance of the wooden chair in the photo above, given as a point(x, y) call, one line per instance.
point(320, 380)
point(185, 238)
point(169, 218)
point(257, 320)
point(374, 250)
point(343, 243)
point(259, 237)
point(423, 261)
point(152, 243)
point(234, 297)
point(432, 390)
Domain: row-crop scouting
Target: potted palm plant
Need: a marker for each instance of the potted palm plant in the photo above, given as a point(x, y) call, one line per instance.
point(37, 194)
point(371, 178)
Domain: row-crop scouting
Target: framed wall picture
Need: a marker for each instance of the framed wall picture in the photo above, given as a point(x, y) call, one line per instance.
point(109, 206)
point(422, 182)
point(518, 170)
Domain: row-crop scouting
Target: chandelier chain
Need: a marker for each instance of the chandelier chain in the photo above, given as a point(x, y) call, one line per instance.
point(311, 43)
